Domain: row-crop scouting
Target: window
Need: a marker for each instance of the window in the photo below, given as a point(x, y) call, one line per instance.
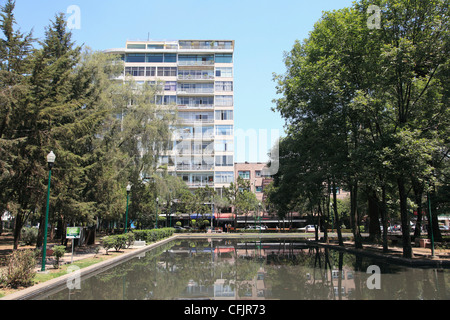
point(244, 174)
point(135, 57)
point(224, 72)
point(258, 188)
point(224, 100)
point(224, 177)
point(224, 86)
point(150, 71)
point(224, 58)
point(167, 71)
point(224, 145)
point(224, 161)
point(135, 71)
point(170, 57)
point(155, 46)
point(224, 130)
point(258, 173)
point(136, 46)
point(224, 115)
point(170, 86)
point(155, 57)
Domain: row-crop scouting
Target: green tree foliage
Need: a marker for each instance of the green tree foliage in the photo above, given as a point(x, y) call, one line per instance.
point(367, 108)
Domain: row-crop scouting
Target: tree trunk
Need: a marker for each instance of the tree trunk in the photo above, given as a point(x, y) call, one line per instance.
point(374, 210)
point(336, 216)
point(354, 215)
point(406, 236)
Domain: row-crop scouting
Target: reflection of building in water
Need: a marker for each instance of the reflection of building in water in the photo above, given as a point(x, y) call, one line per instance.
point(252, 269)
point(342, 281)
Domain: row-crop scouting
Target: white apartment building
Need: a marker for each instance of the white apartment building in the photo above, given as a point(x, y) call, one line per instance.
point(198, 78)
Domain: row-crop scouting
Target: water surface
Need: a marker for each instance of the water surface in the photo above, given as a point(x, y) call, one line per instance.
point(259, 269)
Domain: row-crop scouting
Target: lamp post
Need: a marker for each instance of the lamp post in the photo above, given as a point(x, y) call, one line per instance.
point(126, 211)
point(156, 224)
point(259, 216)
point(50, 160)
point(430, 222)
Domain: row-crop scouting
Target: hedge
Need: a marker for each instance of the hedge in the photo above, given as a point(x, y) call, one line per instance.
point(126, 240)
point(152, 235)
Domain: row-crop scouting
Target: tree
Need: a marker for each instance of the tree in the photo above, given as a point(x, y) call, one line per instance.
point(369, 102)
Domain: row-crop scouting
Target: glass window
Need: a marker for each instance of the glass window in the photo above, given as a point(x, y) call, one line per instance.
point(224, 86)
point(244, 174)
point(259, 189)
point(155, 46)
point(167, 72)
point(224, 72)
point(224, 58)
point(150, 71)
point(224, 177)
point(135, 71)
point(258, 173)
point(224, 101)
point(170, 86)
point(224, 161)
point(224, 130)
point(224, 114)
point(136, 46)
point(135, 57)
point(170, 57)
point(224, 145)
point(155, 57)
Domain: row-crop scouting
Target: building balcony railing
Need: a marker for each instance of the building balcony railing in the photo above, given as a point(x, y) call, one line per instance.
point(194, 90)
point(185, 136)
point(196, 63)
point(195, 106)
point(195, 77)
point(195, 121)
point(200, 184)
point(194, 167)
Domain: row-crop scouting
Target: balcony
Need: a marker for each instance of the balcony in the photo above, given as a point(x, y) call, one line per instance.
point(196, 63)
point(195, 90)
point(195, 76)
point(195, 106)
point(194, 167)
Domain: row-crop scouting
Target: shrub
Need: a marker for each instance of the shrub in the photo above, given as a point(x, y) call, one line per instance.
point(120, 240)
point(129, 239)
point(108, 243)
point(29, 236)
point(58, 252)
point(20, 268)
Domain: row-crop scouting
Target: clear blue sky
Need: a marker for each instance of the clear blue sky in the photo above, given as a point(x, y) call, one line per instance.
point(263, 31)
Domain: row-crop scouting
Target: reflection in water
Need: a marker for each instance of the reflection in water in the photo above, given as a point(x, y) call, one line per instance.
point(268, 269)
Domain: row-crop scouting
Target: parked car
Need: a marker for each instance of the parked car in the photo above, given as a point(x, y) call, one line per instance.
point(308, 228)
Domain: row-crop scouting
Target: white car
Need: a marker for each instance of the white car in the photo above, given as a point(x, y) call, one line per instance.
point(308, 228)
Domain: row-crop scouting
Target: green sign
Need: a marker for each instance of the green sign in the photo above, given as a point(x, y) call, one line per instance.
point(73, 232)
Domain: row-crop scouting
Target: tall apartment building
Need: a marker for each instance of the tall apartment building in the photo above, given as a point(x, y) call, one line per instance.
point(198, 78)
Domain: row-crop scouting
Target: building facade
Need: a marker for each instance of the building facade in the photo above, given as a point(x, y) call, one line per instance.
point(197, 76)
point(254, 173)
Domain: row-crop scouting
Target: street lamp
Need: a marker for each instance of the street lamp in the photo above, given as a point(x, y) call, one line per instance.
point(156, 225)
point(126, 212)
point(50, 160)
point(259, 216)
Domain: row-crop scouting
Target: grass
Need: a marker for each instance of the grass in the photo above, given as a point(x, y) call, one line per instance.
point(61, 271)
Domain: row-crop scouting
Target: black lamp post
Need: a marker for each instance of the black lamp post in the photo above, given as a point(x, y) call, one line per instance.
point(50, 160)
point(126, 212)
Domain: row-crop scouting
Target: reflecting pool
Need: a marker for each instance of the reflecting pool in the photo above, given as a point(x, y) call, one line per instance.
point(257, 269)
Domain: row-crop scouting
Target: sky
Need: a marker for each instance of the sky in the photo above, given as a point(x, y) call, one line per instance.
point(263, 31)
